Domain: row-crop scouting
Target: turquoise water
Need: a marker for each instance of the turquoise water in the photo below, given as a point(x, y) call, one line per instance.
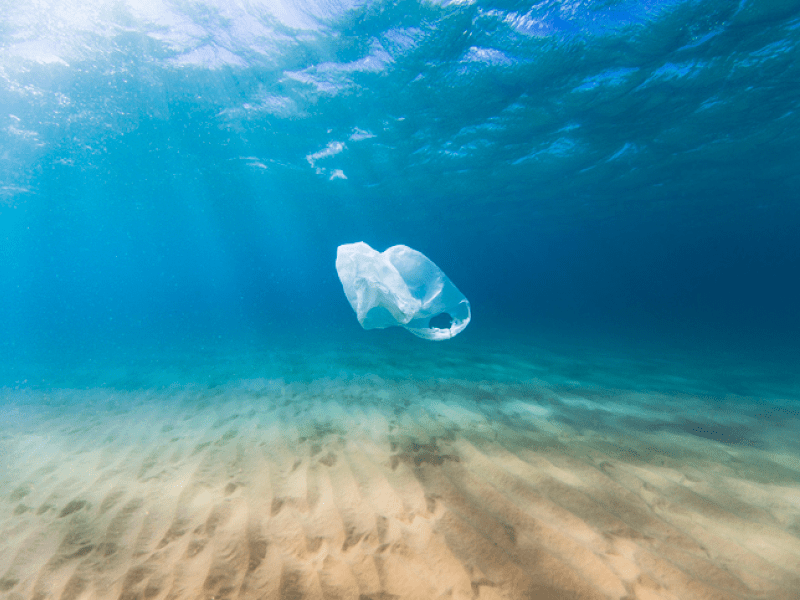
point(620, 172)
point(613, 185)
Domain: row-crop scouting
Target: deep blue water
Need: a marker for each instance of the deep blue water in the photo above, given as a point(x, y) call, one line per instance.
point(609, 174)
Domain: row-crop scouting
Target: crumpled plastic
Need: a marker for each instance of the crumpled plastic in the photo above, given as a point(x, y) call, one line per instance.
point(400, 286)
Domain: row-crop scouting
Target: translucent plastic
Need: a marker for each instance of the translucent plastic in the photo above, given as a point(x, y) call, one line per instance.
point(400, 287)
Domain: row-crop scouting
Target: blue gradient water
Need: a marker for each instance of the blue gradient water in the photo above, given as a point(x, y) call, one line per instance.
point(613, 185)
point(618, 172)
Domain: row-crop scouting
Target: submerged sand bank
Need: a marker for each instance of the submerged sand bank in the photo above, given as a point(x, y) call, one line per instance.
point(372, 489)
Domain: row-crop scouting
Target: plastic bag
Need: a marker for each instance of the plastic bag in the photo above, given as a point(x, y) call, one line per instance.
point(400, 287)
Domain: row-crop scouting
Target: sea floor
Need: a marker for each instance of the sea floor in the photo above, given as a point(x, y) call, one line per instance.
point(398, 471)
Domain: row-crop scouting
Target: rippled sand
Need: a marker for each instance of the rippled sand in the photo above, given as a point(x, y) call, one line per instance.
point(360, 487)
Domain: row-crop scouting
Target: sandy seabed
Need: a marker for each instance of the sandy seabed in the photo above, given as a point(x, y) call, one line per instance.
point(368, 488)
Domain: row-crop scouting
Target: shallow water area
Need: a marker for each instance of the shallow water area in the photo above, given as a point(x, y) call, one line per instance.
point(189, 406)
point(397, 471)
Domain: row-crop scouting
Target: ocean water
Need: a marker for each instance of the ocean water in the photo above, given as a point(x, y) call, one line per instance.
point(189, 407)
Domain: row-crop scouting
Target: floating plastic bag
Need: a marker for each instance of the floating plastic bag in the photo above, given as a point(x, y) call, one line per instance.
point(400, 287)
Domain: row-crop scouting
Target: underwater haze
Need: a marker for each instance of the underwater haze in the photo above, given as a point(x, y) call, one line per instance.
point(613, 185)
point(606, 170)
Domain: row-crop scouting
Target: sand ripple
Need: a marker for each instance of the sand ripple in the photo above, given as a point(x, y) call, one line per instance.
point(344, 490)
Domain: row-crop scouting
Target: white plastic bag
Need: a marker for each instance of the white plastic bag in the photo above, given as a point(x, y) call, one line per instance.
point(400, 287)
